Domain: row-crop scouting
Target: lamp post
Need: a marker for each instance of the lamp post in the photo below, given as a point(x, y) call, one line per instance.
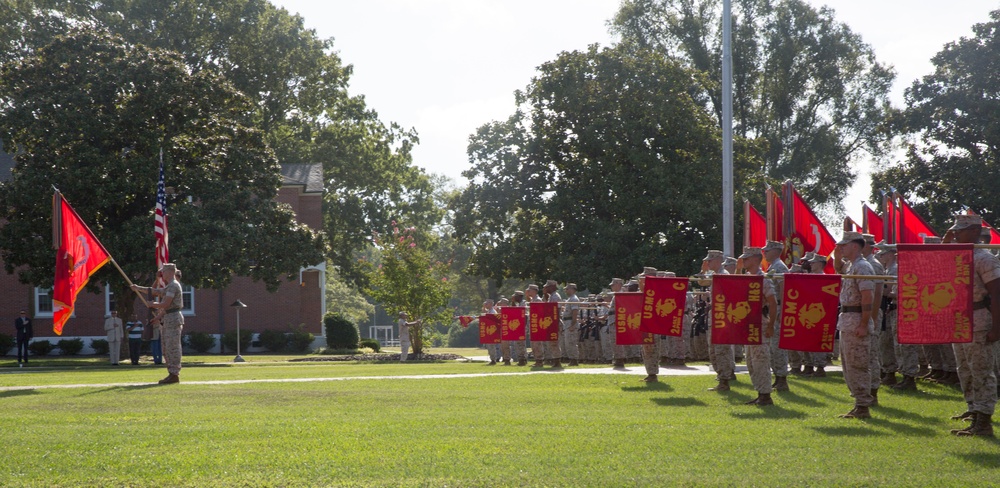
point(238, 304)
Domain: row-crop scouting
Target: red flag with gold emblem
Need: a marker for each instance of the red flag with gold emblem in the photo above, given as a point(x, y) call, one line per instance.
point(489, 329)
point(512, 324)
point(934, 293)
point(663, 305)
point(628, 316)
point(737, 309)
point(465, 320)
point(78, 256)
point(544, 321)
point(809, 312)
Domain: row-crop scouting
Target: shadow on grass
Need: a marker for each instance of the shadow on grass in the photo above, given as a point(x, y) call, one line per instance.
point(679, 402)
point(901, 428)
point(907, 414)
point(776, 411)
point(112, 389)
point(852, 430)
point(656, 386)
point(17, 393)
point(923, 393)
point(792, 397)
point(812, 390)
point(981, 459)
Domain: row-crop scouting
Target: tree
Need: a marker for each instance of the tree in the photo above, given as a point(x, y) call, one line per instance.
point(407, 280)
point(345, 301)
point(608, 164)
point(952, 117)
point(803, 83)
point(297, 87)
point(95, 132)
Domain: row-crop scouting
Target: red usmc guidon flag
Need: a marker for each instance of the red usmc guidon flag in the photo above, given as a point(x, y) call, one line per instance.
point(737, 309)
point(663, 301)
point(628, 315)
point(934, 293)
point(809, 312)
point(544, 321)
point(489, 329)
point(512, 323)
point(78, 256)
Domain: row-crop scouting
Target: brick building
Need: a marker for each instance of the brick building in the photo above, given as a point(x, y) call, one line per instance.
point(297, 302)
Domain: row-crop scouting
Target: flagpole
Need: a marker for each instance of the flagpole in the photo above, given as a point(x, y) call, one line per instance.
point(727, 129)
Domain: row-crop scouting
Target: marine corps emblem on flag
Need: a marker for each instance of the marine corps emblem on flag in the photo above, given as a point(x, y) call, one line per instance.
point(935, 293)
point(663, 301)
point(543, 316)
point(808, 317)
point(512, 323)
point(811, 314)
point(489, 329)
point(628, 315)
point(737, 315)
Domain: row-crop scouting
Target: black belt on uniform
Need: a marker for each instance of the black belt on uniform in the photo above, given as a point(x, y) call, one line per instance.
point(173, 310)
point(850, 309)
point(981, 305)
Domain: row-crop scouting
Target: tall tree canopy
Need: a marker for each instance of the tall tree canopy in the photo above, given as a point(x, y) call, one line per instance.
point(89, 113)
point(609, 163)
point(297, 86)
point(804, 83)
point(953, 118)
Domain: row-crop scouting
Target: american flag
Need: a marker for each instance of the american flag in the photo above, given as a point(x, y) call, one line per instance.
point(160, 224)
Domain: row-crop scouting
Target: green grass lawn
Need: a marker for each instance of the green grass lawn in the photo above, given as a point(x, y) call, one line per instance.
point(538, 430)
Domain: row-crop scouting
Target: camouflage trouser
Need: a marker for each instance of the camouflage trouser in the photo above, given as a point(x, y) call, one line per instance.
point(941, 357)
point(759, 365)
point(519, 351)
point(590, 350)
point(905, 354)
point(651, 356)
point(796, 359)
point(976, 362)
point(855, 353)
point(570, 340)
point(546, 350)
point(608, 343)
point(170, 334)
point(778, 356)
point(887, 348)
point(874, 358)
point(723, 359)
point(817, 359)
point(494, 351)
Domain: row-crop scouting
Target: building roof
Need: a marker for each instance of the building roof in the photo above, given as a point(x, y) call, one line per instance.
point(307, 175)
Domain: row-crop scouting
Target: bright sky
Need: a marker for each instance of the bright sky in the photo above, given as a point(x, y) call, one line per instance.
point(445, 67)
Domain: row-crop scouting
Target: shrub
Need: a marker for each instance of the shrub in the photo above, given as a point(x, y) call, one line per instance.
point(70, 347)
point(370, 344)
point(459, 336)
point(340, 332)
point(300, 340)
point(229, 340)
point(200, 341)
point(100, 346)
point(41, 348)
point(6, 342)
point(273, 340)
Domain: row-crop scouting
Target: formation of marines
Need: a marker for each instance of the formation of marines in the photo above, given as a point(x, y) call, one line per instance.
point(867, 327)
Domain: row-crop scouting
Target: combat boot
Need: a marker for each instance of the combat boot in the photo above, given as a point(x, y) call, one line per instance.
point(950, 379)
point(764, 399)
point(922, 371)
point(780, 383)
point(574, 362)
point(539, 363)
point(650, 379)
point(506, 362)
point(819, 373)
point(859, 412)
point(908, 384)
point(967, 430)
point(889, 379)
point(556, 364)
point(808, 371)
point(619, 364)
point(492, 362)
point(935, 375)
point(982, 426)
point(968, 415)
point(522, 362)
point(722, 386)
point(797, 371)
point(874, 397)
point(170, 379)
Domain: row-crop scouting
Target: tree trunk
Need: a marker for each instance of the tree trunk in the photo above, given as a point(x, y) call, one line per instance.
point(417, 339)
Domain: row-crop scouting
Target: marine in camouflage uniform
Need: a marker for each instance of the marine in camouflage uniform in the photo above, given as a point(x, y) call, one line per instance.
point(492, 349)
point(906, 354)
point(170, 318)
point(779, 357)
point(855, 324)
point(617, 351)
point(875, 338)
point(570, 314)
point(976, 359)
point(722, 356)
point(516, 348)
point(650, 352)
point(888, 343)
point(940, 357)
point(816, 361)
point(758, 355)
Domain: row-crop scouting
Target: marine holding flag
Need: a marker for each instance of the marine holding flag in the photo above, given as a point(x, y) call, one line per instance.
point(855, 322)
point(976, 359)
point(170, 318)
point(758, 357)
point(779, 357)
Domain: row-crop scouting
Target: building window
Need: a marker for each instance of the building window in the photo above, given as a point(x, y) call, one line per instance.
point(43, 302)
point(188, 293)
point(109, 301)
